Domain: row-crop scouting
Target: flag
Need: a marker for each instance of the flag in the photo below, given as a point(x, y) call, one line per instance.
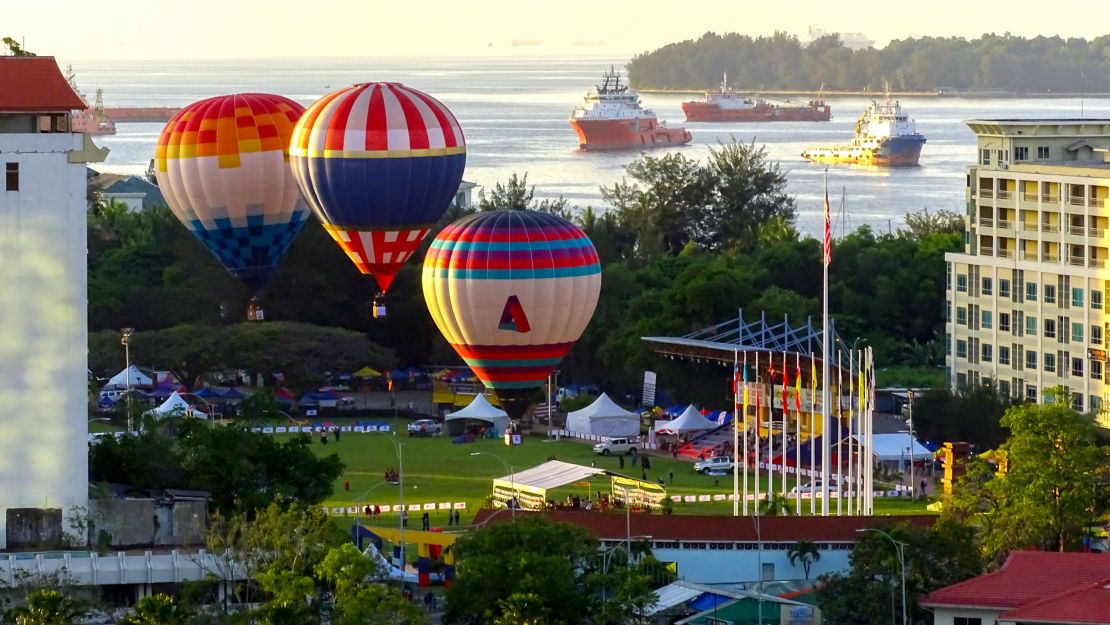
point(828, 225)
point(862, 400)
point(745, 413)
point(785, 383)
point(813, 381)
point(797, 388)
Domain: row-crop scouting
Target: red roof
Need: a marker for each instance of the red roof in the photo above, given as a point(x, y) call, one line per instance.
point(1086, 604)
point(1025, 577)
point(713, 528)
point(35, 84)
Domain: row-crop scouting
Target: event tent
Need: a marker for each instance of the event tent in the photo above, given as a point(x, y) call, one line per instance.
point(894, 447)
point(689, 421)
point(479, 410)
point(176, 406)
point(531, 485)
point(604, 418)
point(132, 374)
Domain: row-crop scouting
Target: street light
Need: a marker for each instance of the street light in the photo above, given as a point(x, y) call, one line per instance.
point(125, 340)
point(512, 478)
point(898, 547)
point(552, 381)
point(404, 512)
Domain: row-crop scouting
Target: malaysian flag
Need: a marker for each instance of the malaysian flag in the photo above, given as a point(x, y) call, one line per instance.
point(828, 226)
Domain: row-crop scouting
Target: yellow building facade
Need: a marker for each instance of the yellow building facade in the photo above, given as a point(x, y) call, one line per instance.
point(1026, 299)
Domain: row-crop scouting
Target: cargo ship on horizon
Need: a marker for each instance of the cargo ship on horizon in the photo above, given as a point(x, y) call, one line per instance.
point(885, 136)
point(725, 104)
point(613, 119)
point(92, 120)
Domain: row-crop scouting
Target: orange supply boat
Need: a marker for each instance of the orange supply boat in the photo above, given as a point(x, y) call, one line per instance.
point(726, 105)
point(612, 119)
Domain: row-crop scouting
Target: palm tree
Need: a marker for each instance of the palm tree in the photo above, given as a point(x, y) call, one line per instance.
point(805, 551)
point(46, 607)
point(157, 610)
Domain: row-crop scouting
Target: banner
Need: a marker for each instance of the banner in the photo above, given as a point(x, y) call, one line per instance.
point(648, 399)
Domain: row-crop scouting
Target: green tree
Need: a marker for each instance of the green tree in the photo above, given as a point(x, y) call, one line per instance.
point(971, 415)
point(776, 505)
point(47, 606)
point(920, 226)
point(517, 195)
point(806, 552)
point(158, 609)
point(15, 47)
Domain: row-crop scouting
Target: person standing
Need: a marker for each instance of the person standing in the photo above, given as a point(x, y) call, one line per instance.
point(404, 518)
point(671, 475)
point(621, 459)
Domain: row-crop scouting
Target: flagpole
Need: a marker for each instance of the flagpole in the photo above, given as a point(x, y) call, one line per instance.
point(798, 431)
point(871, 428)
point(861, 468)
point(746, 426)
point(853, 491)
point(826, 343)
point(770, 424)
point(785, 415)
point(839, 436)
point(735, 434)
point(812, 424)
point(758, 443)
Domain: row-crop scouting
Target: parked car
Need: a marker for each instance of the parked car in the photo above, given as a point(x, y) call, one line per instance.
point(813, 487)
point(617, 446)
point(714, 464)
point(425, 427)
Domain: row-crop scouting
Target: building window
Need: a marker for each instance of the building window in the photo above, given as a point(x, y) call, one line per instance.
point(1003, 322)
point(1096, 369)
point(961, 348)
point(1003, 355)
point(1050, 328)
point(988, 286)
point(961, 283)
point(1030, 393)
point(988, 352)
point(987, 322)
point(1031, 291)
point(1042, 152)
point(1077, 367)
point(961, 380)
point(1095, 404)
point(1096, 334)
point(1050, 362)
point(768, 572)
point(1077, 298)
point(1050, 293)
point(11, 176)
point(1077, 402)
point(1031, 360)
point(1021, 153)
point(1004, 288)
point(961, 315)
point(1003, 386)
point(984, 157)
point(1077, 333)
point(1096, 300)
point(1031, 326)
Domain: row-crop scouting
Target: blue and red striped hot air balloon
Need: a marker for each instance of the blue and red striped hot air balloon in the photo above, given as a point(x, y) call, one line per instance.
point(512, 291)
point(379, 163)
point(223, 166)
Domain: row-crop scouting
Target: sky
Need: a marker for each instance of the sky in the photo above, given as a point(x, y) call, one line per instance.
point(206, 29)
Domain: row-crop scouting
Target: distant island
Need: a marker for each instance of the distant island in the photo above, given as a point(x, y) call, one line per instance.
point(781, 62)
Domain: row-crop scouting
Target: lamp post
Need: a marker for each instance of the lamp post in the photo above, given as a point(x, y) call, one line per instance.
point(899, 547)
point(552, 381)
point(125, 340)
point(404, 512)
point(913, 485)
point(512, 478)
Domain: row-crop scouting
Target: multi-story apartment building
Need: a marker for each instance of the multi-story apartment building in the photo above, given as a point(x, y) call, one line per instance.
point(1026, 299)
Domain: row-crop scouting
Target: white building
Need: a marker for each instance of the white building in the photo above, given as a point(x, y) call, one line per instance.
point(43, 327)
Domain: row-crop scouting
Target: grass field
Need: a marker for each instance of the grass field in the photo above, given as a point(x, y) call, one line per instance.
point(436, 470)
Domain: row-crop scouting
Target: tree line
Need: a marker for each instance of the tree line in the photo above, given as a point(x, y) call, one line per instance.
point(991, 62)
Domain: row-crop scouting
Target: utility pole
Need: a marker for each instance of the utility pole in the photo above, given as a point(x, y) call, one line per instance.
point(913, 484)
point(126, 341)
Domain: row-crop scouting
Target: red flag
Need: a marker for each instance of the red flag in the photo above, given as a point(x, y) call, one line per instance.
point(785, 374)
point(828, 227)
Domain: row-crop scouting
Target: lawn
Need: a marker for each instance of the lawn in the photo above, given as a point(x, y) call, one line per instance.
point(436, 470)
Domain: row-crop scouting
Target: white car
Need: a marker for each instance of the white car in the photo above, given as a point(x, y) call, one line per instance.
point(714, 465)
point(814, 487)
point(617, 446)
point(425, 427)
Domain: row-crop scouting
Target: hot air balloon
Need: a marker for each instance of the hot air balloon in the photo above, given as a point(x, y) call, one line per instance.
point(223, 167)
point(512, 291)
point(379, 163)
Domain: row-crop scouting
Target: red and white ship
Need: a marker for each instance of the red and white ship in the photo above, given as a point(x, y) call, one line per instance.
point(612, 119)
point(727, 105)
point(91, 120)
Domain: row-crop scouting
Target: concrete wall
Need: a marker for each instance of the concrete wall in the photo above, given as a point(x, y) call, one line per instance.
point(144, 522)
point(947, 616)
point(33, 528)
point(190, 523)
point(43, 336)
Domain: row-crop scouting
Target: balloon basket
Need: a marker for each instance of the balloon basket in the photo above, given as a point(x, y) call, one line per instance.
point(377, 307)
point(255, 312)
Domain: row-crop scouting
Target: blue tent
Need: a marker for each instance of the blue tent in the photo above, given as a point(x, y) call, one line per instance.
point(675, 410)
point(231, 393)
point(207, 393)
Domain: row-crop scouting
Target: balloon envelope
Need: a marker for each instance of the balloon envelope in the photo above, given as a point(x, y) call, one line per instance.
point(379, 163)
point(512, 291)
point(223, 167)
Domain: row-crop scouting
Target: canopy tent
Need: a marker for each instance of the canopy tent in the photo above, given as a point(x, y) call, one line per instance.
point(130, 374)
point(604, 418)
point(208, 393)
point(176, 406)
point(689, 421)
point(321, 399)
point(531, 485)
point(895, 447)
point(231, 395)
point(367, 372)
point(478, 410)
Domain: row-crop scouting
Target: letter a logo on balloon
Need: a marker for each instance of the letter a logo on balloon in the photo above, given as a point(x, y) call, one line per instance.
point(513, 317)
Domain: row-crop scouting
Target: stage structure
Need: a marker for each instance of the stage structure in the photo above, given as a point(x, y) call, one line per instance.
point(779, 435)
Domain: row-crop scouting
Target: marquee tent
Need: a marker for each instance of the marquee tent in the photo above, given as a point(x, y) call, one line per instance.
point(604, 418)
point(531, 485)
point(895, 447)
point(478, 410)
point(132, 375)
point(690, 420)
point(176, 406)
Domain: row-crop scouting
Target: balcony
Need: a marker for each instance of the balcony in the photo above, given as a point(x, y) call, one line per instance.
point(1097, 263)
point(986, 251)
point(1050, 257)
point(1005, 224)
point(1030, 255)
point(986, 222)
point(986, 193)
point(1080, 201)
point(1077, 230)
point(1003, 194)
point(1096, 233)
point(1004, 253)
point(1050, 228)
point(1049, 198)
point(1077, 261)
point(1029, 226)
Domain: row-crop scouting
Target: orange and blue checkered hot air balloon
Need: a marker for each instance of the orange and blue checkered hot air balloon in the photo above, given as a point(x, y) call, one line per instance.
point(512, 291)
point(379, 163)
point(223, 167)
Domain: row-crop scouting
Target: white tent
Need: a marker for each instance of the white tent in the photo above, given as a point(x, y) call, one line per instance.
point(895, 447)
point(176, 406)
point(529, 487)
point(132, 375)
point(689, 421)
point(481, 410)
point(604, 418)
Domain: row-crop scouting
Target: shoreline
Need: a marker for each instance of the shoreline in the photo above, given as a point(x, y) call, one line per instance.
point(876, 94)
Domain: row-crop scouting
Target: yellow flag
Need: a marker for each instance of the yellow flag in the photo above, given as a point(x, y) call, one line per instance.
point(672, 567)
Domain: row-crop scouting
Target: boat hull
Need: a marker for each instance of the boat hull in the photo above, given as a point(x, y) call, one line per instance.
point(706, 112)
point(624, 134)
point(902, 151)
